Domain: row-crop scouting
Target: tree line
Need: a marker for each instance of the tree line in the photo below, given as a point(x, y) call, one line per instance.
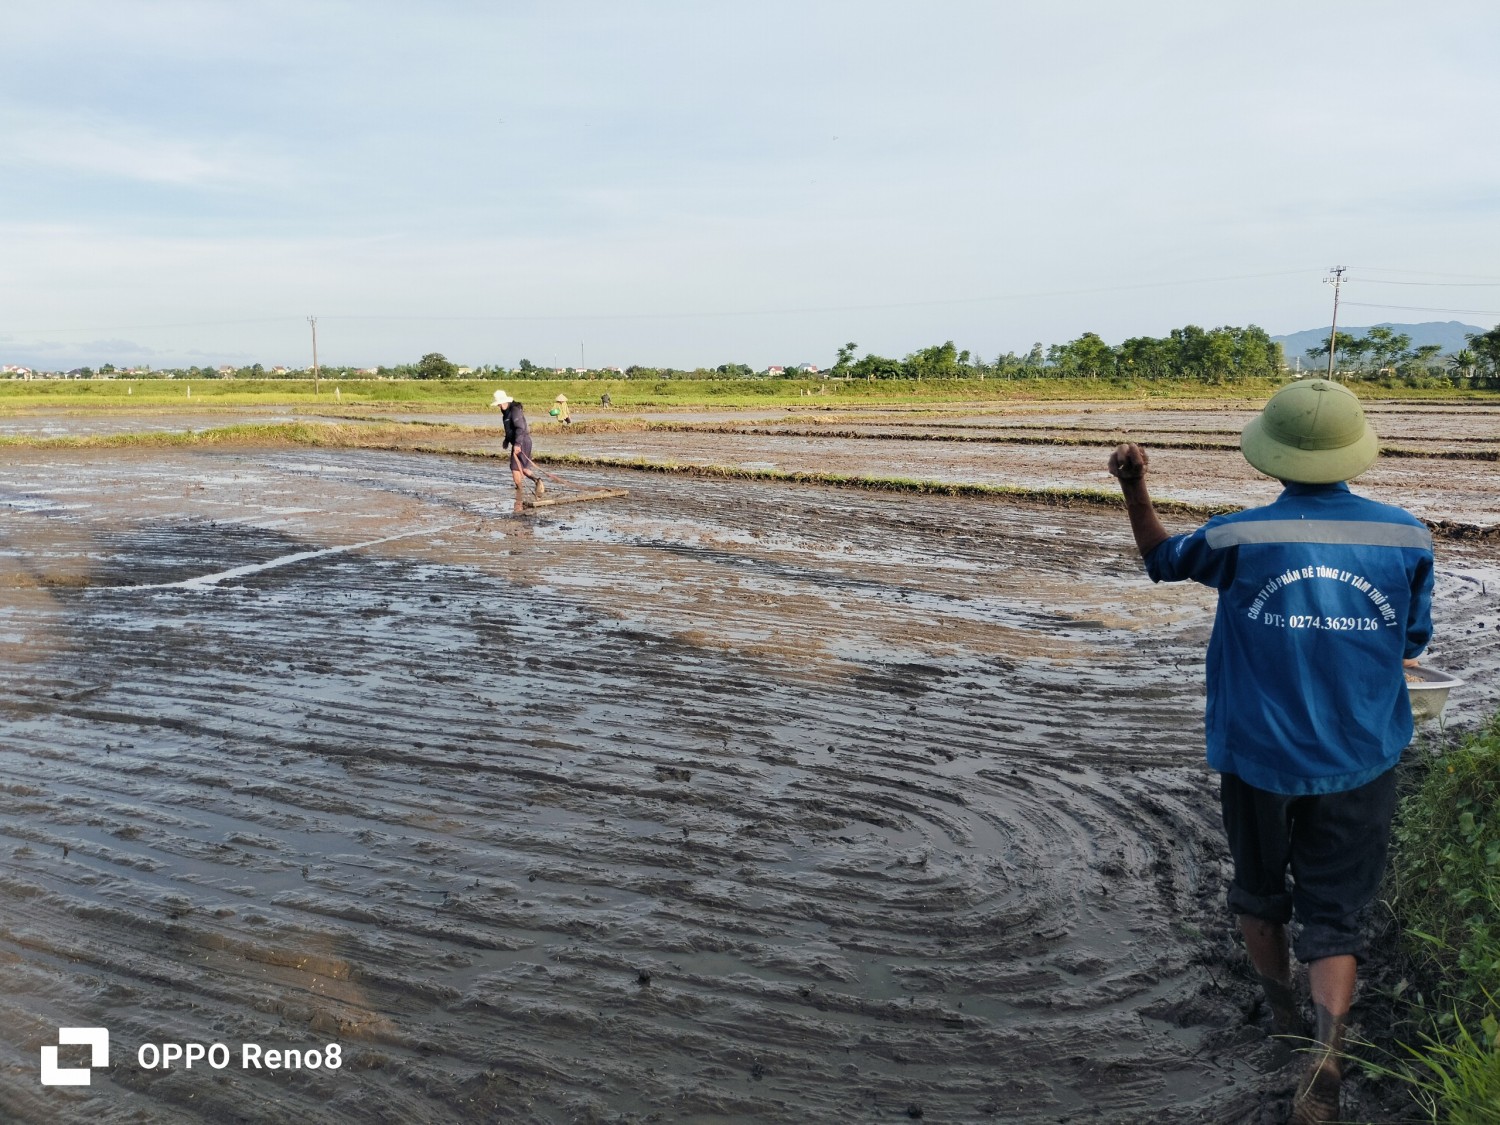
point(1211, 356)
point(1384, 353)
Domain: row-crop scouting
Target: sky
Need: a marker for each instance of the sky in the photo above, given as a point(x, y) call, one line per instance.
point(693, 182)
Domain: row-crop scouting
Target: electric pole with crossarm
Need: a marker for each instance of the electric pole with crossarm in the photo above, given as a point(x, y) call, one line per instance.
point(1335, 278)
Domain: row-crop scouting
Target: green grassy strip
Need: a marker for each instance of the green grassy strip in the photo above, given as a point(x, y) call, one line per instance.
point(407, 437)
point(1061, 497)
point(250, 433)
point(1444, 887)
point(1104, 438)
point(676, 392)
point(372, 435)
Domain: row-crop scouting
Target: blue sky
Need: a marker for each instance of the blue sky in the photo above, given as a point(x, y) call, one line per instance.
point(686, 183)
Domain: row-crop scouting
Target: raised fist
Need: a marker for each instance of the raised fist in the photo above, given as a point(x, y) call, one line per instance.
point(1128, 462)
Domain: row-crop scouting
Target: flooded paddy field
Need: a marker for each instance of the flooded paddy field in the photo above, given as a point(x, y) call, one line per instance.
point(729, 800)
point(45, 422)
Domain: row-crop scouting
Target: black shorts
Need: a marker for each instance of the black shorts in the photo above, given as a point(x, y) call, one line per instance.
point(520, 457)
point(1334, 845)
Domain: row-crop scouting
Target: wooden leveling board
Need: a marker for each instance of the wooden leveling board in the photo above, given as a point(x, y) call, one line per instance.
point(548, 500)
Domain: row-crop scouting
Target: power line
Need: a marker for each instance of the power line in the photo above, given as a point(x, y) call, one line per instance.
point(1425, 273)
point(1436, 284)
point(1424, 308)
point(149, 327)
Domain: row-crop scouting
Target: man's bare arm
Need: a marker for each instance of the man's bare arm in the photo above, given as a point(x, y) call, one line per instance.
point(1128, 465)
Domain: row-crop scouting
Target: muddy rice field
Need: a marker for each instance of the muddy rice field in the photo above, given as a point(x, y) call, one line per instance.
point(725, 801)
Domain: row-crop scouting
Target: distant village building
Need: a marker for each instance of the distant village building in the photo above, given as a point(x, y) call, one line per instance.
point(226, 371)
point(278, 371)
point(808, 368)
point(775, 372)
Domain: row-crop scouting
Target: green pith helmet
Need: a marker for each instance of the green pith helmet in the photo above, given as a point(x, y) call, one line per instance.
point(1312, 431)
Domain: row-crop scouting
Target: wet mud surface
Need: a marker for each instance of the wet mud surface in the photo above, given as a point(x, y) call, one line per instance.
point(50, 423)
point(726, 801)
point(1438, 489)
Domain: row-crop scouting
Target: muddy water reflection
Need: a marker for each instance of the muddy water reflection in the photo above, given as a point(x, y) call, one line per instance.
point(725, 802)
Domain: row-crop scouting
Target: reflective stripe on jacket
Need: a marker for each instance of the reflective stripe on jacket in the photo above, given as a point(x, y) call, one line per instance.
point(1321, 596)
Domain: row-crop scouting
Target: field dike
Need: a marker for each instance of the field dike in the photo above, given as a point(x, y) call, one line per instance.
point(413, 436)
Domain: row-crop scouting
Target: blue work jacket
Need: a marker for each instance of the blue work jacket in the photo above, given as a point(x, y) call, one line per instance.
point(1321, 595)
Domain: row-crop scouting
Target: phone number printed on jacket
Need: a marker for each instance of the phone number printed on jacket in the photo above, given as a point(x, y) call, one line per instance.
point(1306, 621)
point(1311, 621)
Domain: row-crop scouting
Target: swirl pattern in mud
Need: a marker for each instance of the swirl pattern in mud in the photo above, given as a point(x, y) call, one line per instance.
point(729, 801)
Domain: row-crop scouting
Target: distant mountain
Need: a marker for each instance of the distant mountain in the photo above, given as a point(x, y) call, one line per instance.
point(1448, 333)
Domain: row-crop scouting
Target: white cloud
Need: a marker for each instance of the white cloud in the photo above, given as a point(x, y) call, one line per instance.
point(108, 148)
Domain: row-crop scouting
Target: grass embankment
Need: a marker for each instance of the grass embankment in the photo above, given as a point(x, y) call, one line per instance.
point(356, 435)
point(417, 437)
point(1446, 894)
point(1061, 497)
point(475, 393)
point(998, 435)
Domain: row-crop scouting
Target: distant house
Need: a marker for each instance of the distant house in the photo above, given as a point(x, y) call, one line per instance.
point(808, 368)
point(278, 371)
point(466, 371)
point(226, 371)
point(775, 372)
point(613, 370)
point(368, 371)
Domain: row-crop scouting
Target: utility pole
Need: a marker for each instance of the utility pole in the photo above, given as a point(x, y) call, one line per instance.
point(1335, 278)
point(312, 320)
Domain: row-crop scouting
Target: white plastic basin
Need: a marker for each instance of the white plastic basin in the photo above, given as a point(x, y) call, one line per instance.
point(1429, 693)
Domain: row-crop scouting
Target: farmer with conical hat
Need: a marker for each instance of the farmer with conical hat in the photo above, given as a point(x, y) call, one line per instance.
point(1323, 595)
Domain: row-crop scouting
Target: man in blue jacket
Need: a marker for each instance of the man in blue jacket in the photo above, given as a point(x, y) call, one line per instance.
point(1323, 596)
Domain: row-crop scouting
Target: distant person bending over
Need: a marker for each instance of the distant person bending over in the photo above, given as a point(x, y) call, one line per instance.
point(560, 411)
point(518, 441)
point(1323, 595)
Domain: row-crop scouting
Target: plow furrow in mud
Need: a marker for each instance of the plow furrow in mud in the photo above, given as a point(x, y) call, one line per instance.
point(726, 801)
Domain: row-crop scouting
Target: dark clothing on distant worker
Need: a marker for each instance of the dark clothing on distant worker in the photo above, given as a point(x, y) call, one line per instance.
point(517, 437)
point(1321, 596)
point(517, 429)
